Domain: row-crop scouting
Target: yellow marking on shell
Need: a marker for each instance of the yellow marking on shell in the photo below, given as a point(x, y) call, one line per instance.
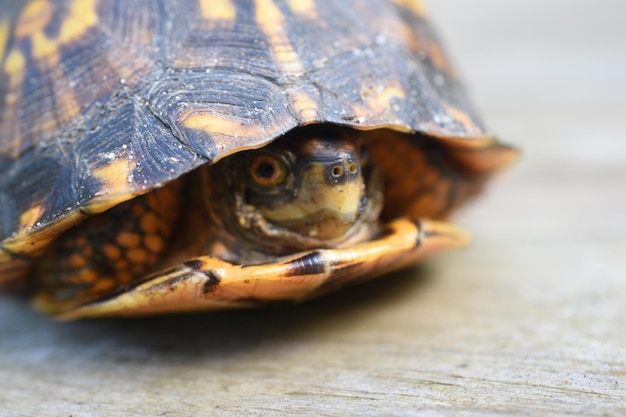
point(31, 242)
point(4, 37)
point(463, 118)
point(272, 23)
point(416, 6)
point(304, 8)
point(82, 17)
point(218, 9)
point(15, 62)
point(44, 47)
point(403, 33)
point(217, 124)
point(379, 98)
point(30, 217)
point(35, 17)
point(116, 178)
point(439, 59)
point(32, 24)
point(68, 108)
point(305, 105)
point(46, 51)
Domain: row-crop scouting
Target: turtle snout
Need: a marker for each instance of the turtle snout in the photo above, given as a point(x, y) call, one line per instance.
point(345, 169)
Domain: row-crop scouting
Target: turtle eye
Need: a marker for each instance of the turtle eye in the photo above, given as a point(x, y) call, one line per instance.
point(267, 171)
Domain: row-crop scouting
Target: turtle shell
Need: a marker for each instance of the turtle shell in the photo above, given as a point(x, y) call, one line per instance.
point(103, 101)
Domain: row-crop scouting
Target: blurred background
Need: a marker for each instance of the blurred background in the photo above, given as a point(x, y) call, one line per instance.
point(549, 77)
point(529, 320)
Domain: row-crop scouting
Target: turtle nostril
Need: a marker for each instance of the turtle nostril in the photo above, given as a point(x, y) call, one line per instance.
point(352, 168)
point(337, 171)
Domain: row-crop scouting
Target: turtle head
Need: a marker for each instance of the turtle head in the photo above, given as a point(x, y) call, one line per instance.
point(313, 188)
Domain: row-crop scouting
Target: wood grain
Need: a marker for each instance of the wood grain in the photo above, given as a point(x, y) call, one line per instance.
point(529, 320)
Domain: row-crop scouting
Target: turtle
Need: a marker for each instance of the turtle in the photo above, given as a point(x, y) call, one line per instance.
point(161, 156)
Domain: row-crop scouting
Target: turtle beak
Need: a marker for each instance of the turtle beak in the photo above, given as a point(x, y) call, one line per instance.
point(330, 196)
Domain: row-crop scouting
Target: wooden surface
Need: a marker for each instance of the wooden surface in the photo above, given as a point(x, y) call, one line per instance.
point(529, 320)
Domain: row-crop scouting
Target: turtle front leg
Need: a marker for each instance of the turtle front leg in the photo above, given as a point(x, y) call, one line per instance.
point(107, 252)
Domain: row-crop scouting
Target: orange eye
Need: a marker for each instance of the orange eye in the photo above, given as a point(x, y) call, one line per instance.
point(267, 171)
